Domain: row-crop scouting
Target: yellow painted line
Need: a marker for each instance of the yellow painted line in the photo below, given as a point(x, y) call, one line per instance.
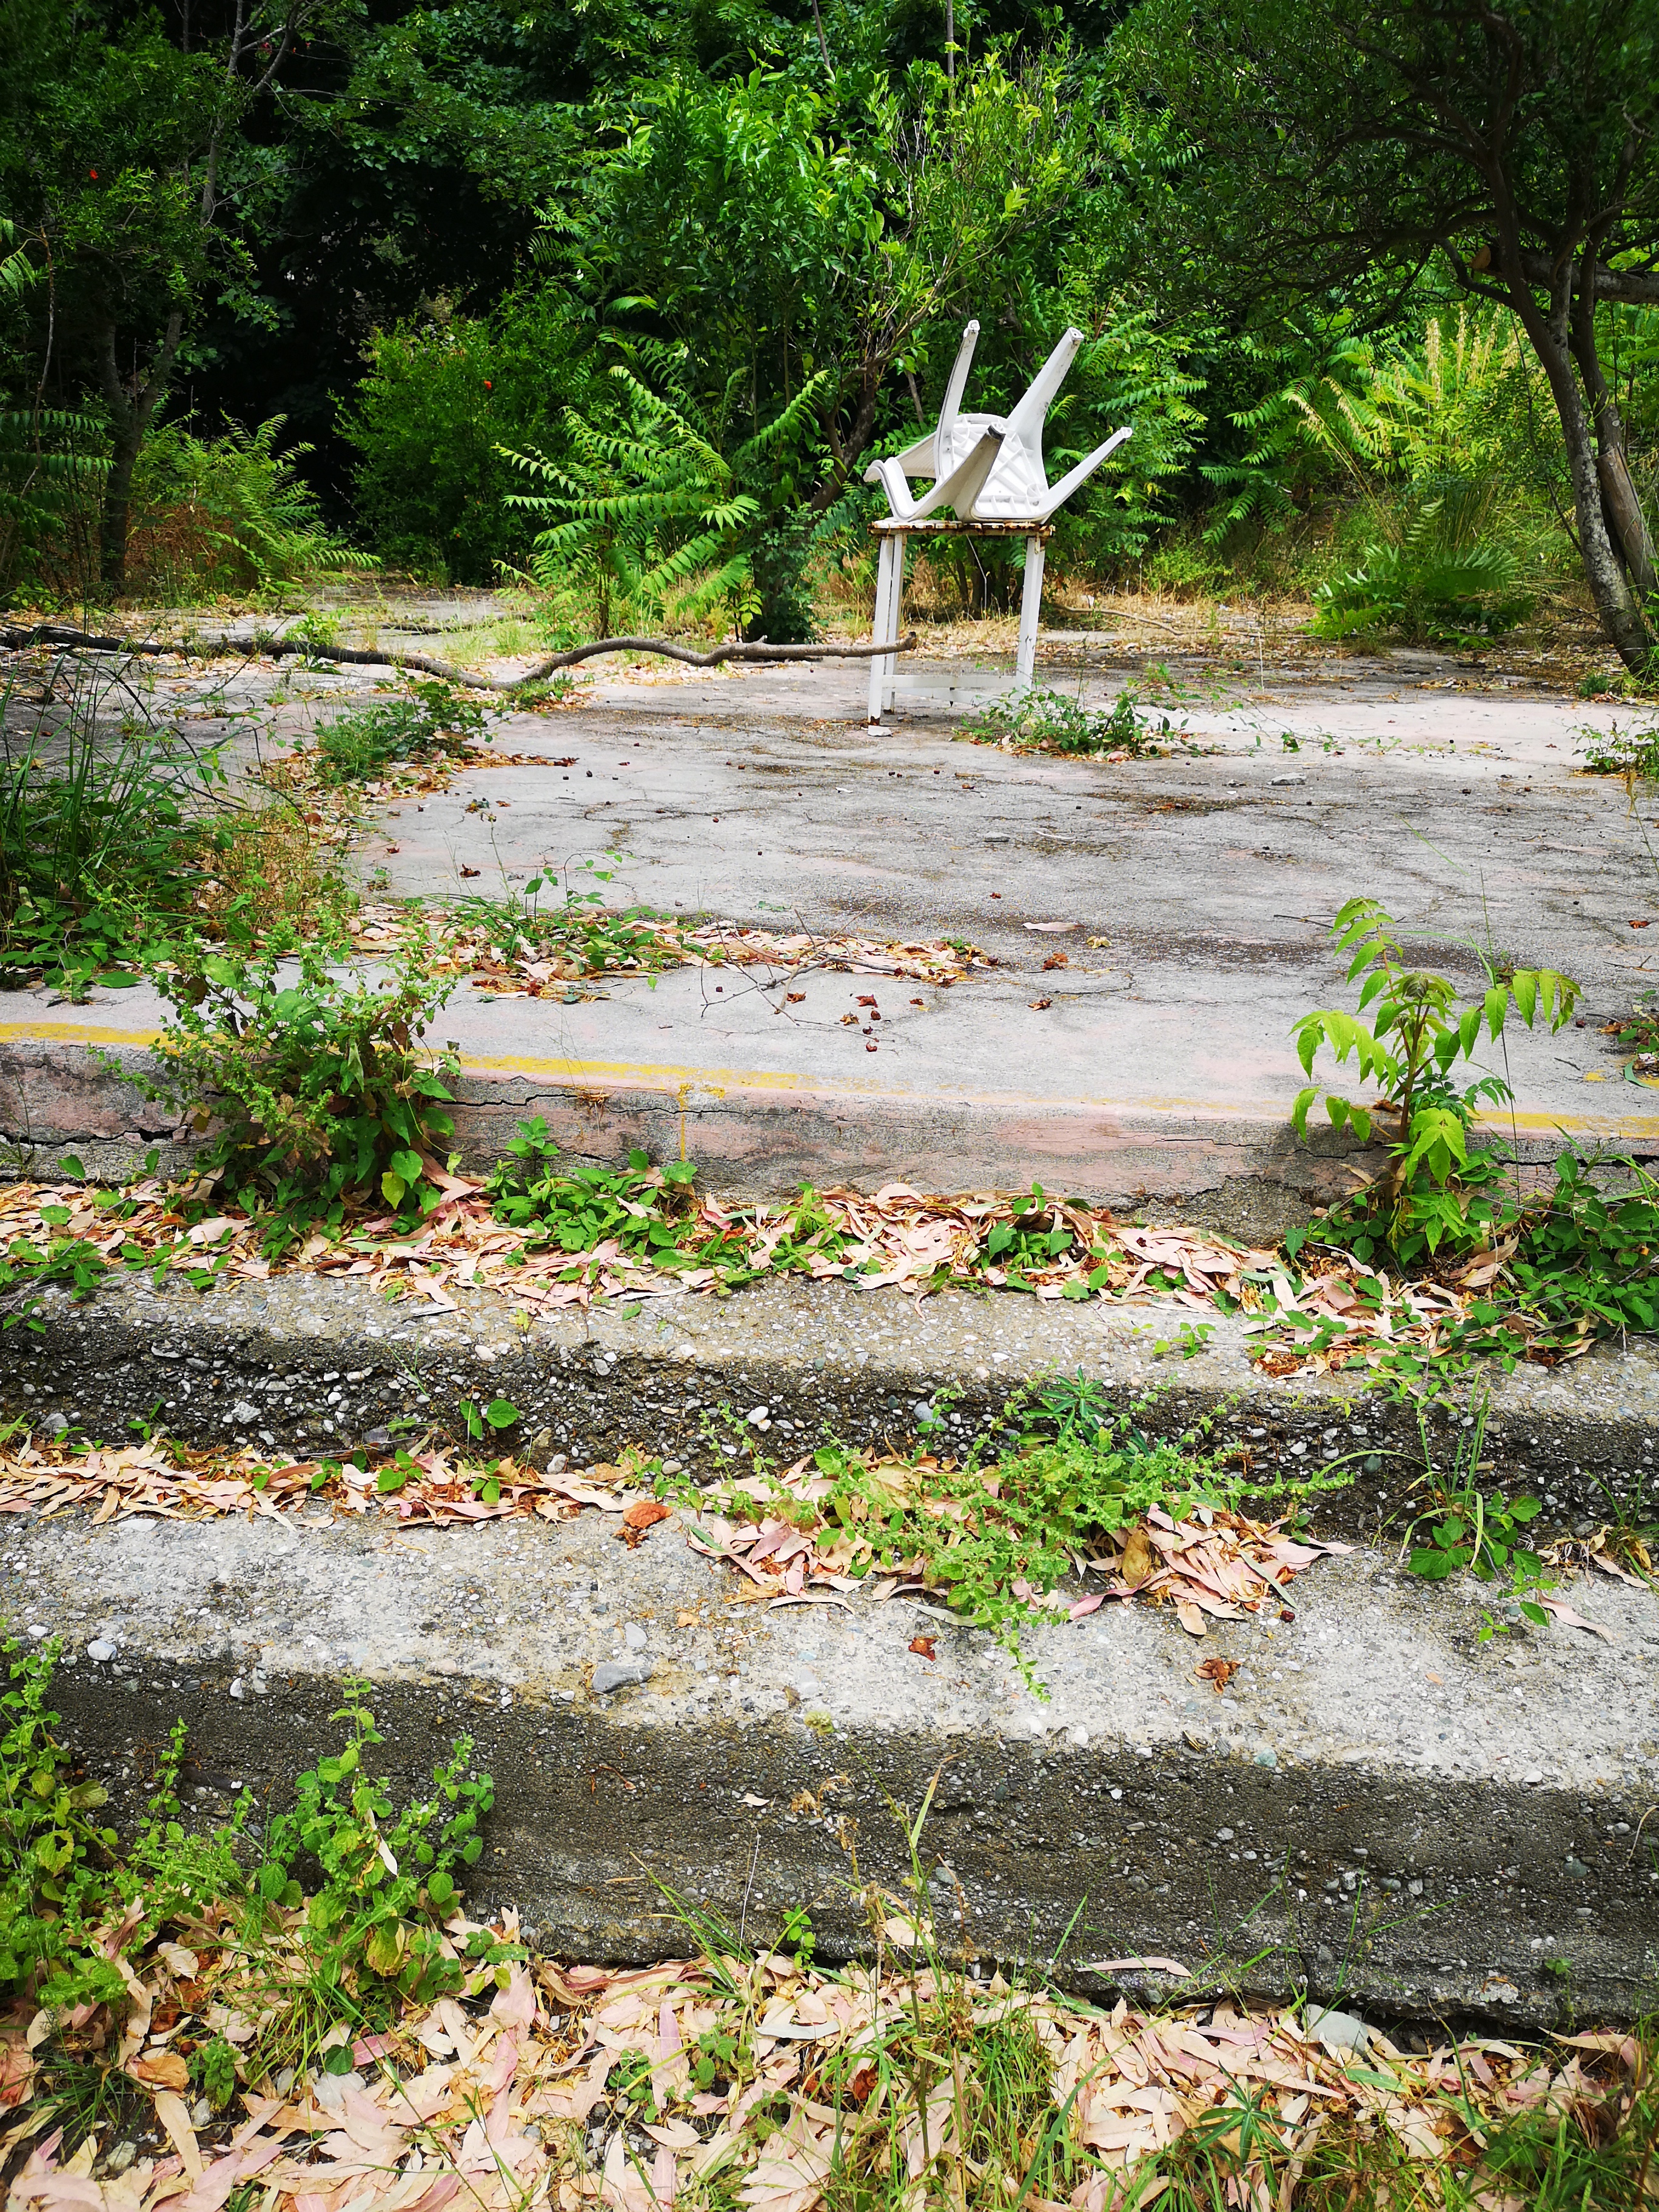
point(683, 1085)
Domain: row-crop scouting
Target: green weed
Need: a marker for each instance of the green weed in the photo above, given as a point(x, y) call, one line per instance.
point(103, 841)
point(1053, 723)
point(1628, 752)
point(431, 721)
point(992, 1537)
point(337, 1918)
point(1431, 1193)
point(1463, 1529)
point(317, 1078)
point(578, 926)
point(649, 1213)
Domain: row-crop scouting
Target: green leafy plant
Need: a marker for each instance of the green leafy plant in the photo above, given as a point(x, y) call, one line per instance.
point(103, 840)
point(994, 1537)
point(63, 1879)
point(431, 721)
point(580, 924)
point(1464, 1529)
point(1054, 722)
point(1417, 1033)
point(651, 508)
point(378, 1883)
point(1628, 752)
point(316, 1077)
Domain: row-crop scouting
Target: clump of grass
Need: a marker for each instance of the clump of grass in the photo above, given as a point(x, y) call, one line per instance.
point(432, 722)
point(105, 832)
point(1054, 722)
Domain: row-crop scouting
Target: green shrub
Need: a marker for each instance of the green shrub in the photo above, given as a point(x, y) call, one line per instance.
point(442, 397)
point(103, 844)
point(432, 721)
point(229, 513)
point(317, 1077)
point(378, 1884)
point(1445, 576)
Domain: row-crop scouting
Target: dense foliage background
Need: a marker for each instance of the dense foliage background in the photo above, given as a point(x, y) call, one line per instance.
point(577, 288)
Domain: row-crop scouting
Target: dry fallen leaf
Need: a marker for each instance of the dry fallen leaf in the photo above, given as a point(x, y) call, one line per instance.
point(639, 1517)
point(1037, 1004)
point(923, 1646)
point(1057, 960)
point(1217, 1672)
point(160, 2069)
point(1140, 1560)
point(1189, 1617)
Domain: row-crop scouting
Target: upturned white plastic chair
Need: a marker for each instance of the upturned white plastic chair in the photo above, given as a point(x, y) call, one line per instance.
point(989, 468)
point(1017, 487)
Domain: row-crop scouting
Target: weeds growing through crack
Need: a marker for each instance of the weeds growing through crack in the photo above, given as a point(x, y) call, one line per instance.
point(338, 1908)
point(429, 721)
point(1053, 723)
point(1553, 1270)
point(106, 828)
point(503, 936)
point(1458, 1527)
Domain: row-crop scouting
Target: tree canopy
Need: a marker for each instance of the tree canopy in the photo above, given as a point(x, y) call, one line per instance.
point(427, 236)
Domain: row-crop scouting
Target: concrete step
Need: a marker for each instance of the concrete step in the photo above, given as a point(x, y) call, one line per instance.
point(311, 1364)
point(1380, 1807)
point(1471, 1814)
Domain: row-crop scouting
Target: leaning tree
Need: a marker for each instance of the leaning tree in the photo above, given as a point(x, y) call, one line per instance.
point(1308, 142)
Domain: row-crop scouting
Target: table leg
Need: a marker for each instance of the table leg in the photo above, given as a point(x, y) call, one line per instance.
point(1030, 600)
point(881, 627)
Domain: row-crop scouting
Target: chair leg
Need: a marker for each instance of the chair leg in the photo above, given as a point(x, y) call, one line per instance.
point(1030, 600)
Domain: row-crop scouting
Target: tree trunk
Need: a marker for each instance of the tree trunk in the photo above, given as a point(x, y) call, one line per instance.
point(1624, 517)
point(131, 415)
point(1615, 602)
point(1627, 524)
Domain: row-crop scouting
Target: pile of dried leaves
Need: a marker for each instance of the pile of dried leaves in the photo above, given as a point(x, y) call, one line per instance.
point(758, 2085)
point(1341, 1315)
point(804, 1541)
point(1216, 1563)
point(163, 1480)
point(516, 952)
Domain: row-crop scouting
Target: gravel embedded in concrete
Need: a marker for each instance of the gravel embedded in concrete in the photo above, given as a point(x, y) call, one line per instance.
point(1439, 1819)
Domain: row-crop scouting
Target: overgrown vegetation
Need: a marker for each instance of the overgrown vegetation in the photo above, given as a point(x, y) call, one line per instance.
point(233, 1968)
point(1555, 1267)
point(1058, 722)
point(1068, 1481)
point(429, 721)
point(315, 1077)
point(327, 1912)
point(107, 831)
point(775, 232)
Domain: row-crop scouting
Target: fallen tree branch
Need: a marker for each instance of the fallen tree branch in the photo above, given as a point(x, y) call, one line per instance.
point(276, 647)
